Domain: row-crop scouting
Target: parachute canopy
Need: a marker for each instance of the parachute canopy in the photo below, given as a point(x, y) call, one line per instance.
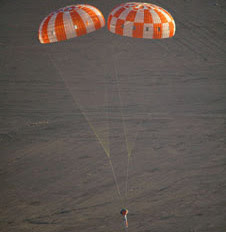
point(69, 22)
point(141, 20)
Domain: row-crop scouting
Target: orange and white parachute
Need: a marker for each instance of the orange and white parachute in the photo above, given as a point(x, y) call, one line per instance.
point(141, 20)
point(70, 21)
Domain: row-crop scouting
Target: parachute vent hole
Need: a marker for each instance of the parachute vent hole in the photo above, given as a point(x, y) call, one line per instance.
point(147, 28)
point(159, 29)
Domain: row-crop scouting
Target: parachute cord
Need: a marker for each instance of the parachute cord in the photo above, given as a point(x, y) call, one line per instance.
point(110, 162)
point(116, 182)
point(106, 149)
point(127, 180)
point(122, 115)
point(128, 148)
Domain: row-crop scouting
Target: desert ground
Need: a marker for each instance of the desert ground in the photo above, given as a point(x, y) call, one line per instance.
point(101, 122)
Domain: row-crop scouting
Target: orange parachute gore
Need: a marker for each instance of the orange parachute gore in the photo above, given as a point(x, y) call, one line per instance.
point(69, 22)
point(141, 20)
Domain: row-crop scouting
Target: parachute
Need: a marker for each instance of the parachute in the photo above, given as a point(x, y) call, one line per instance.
point(141, 20)
point(69, 22)
point(138, 20)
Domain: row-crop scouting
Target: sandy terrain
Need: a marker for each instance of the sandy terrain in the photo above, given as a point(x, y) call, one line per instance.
point(164, 100)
